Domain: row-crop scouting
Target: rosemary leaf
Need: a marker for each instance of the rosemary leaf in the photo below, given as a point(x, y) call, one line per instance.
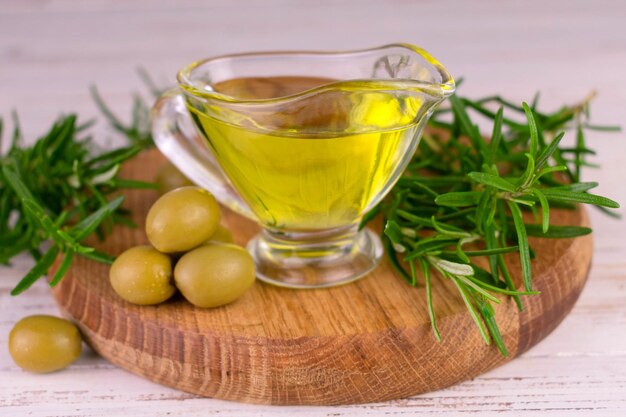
point(522, 242)
point(40, 268)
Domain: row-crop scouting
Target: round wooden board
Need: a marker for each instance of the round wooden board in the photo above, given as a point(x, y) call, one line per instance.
point(363, 342)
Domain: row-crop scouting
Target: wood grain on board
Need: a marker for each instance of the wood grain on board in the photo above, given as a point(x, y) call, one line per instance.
point(363, 342)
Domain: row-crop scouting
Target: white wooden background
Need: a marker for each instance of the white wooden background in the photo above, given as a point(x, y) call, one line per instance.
point(51, 51)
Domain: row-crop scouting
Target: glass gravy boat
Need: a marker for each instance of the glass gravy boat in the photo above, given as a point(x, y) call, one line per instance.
point(303, 143)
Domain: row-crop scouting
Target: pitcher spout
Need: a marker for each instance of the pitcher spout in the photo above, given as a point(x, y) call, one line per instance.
point(416, 66)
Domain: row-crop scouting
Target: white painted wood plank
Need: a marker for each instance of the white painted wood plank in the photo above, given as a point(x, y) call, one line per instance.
point(51, 51)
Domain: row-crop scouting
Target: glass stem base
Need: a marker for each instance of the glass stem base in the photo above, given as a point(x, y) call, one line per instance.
point(315, 259)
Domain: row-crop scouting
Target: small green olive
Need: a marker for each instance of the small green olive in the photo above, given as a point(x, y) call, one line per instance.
point(182, 219)
point(222, 234)
point(44, 343)
point(170, 178)
point(142, 275)
point(214, 274)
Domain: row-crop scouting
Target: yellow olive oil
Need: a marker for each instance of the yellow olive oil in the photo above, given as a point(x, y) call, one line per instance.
point(315, 160)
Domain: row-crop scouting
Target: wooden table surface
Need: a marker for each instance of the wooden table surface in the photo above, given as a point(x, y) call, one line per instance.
point(52, 51)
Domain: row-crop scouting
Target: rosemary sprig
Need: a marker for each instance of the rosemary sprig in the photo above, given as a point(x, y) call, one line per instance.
point(461, 189)
point(57, 190)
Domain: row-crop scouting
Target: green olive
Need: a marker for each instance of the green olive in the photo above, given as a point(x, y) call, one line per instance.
point(170, 178)
point(214, 274)
point(44, 343)
point(142, 275)
point(182, 219)
point(222, 234)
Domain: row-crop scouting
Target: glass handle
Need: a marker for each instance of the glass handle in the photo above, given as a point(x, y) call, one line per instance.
point(176, 137)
